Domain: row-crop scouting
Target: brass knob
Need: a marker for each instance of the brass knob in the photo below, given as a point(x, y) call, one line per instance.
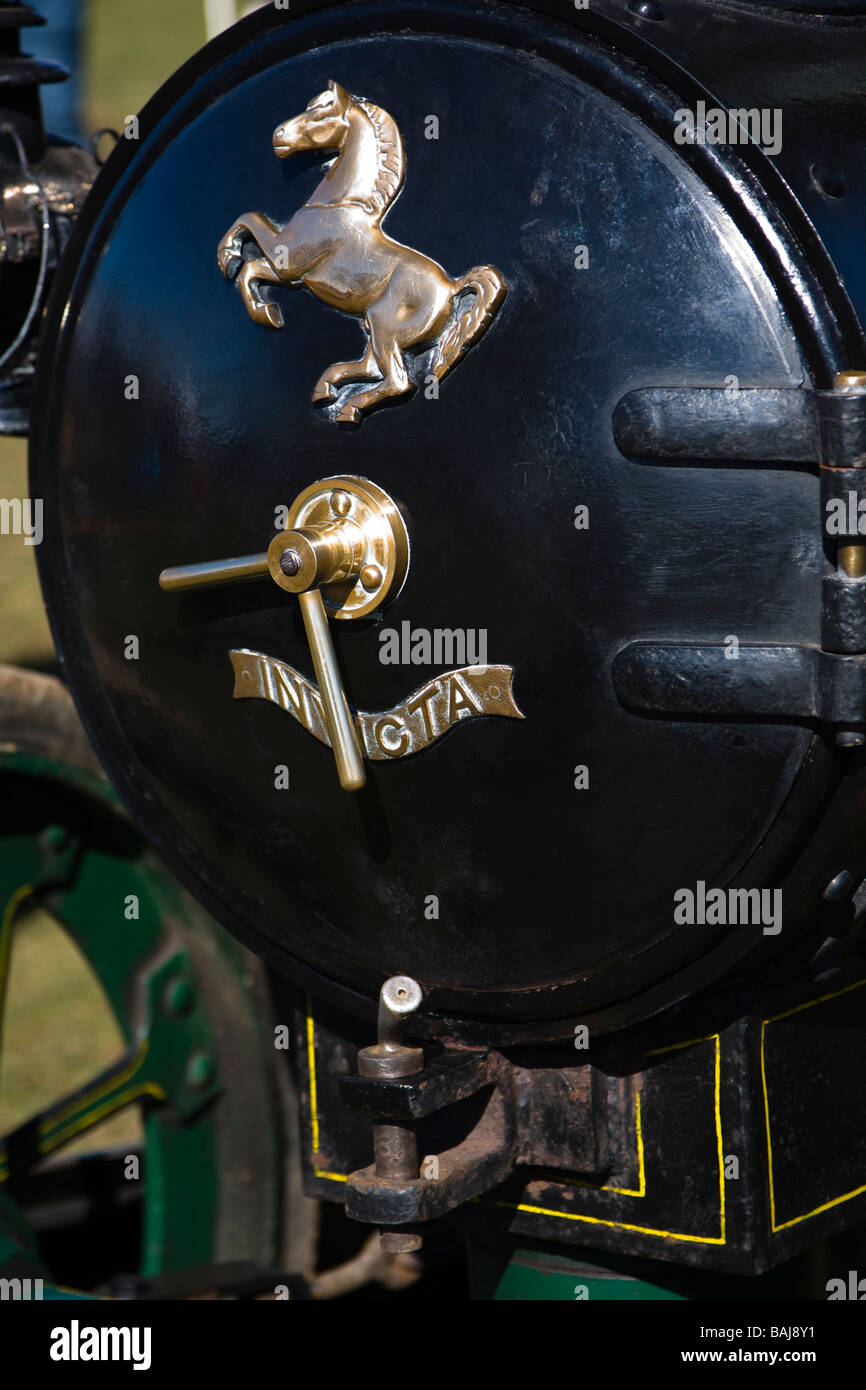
point(344, 552)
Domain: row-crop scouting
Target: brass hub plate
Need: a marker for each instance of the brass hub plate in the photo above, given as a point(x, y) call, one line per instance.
point(385, 562)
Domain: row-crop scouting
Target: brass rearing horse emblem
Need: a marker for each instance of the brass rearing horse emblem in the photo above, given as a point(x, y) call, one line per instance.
point(335, 246)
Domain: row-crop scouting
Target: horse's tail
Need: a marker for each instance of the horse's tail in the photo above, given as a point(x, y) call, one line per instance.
point(489, 287)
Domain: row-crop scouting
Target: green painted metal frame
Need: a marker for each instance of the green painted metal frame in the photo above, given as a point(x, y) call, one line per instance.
point(66, 845)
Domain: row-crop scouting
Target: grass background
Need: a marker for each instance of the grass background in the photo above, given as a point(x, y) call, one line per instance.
point(131, 47)
point(58, 1029)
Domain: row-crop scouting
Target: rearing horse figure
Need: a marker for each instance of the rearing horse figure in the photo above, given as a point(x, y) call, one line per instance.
point(335, 246)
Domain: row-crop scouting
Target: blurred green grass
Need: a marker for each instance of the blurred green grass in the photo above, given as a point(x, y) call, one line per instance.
point(131, 48)
point(58, 1033)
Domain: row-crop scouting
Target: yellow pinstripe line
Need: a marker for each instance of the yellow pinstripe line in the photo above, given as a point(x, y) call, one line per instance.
point(314, 1100)
point(640, 1190)
point(647, 1230)
point(835, 1201)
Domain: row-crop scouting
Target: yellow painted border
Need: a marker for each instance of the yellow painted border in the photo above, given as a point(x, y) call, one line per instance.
point(647, 1230)
point(835, 1201)
point(641, 1168)
point(640, 1190)
point(314, 1101)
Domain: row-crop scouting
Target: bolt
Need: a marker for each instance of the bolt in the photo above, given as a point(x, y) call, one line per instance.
point(199, 1071)
point(290, 562)
point(395, 1147)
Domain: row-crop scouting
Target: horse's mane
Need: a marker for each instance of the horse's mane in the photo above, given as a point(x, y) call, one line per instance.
point(390, 160)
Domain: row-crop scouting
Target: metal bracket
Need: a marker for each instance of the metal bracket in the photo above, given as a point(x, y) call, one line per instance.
point(712, 425)
point(480, 1160)
point(746, 425)
point(692, 680)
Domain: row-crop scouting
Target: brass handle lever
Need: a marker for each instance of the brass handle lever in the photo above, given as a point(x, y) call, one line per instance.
point(213, 572)
point(341, 730)
point(347, 546)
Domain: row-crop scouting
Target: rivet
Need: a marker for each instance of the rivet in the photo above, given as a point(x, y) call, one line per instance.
point(371, 577)
point(199, 1071)
point(54, 838)
point(850, 738)
point(341, 503)
point(647, 9)
point(178, 998)
point(839, 888)
point(828, 180)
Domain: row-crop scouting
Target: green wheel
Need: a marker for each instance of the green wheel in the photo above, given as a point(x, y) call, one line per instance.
point(197, 1055)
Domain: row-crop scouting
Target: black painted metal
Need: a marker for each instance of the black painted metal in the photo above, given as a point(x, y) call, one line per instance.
point(683, 680)
point(557, 130)
point(717, 424)
point(725, 1135)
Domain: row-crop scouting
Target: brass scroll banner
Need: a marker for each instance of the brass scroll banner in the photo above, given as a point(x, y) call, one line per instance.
point(408, 728)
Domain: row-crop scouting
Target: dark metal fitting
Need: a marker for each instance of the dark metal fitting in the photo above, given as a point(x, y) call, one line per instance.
point(683, 679)
point(842, 491)
point(775, 425)
point(843, 613)
point(394, 1145)
point(841, 428)
point(469, 1163)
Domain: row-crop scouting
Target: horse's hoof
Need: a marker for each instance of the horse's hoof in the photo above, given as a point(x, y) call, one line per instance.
point(348, 415)
point(274, 315)
point(323, 392)
point(229, 263)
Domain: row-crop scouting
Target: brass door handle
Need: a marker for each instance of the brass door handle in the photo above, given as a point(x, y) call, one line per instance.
point(345, 551)
point(341, 730)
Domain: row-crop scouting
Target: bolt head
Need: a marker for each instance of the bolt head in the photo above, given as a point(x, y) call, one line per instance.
point(371, 578)
point(341, 502)
point(290, 562)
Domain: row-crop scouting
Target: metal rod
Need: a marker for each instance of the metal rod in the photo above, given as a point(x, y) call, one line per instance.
point(212, 572)
point(341, 731)
point(851, 559)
